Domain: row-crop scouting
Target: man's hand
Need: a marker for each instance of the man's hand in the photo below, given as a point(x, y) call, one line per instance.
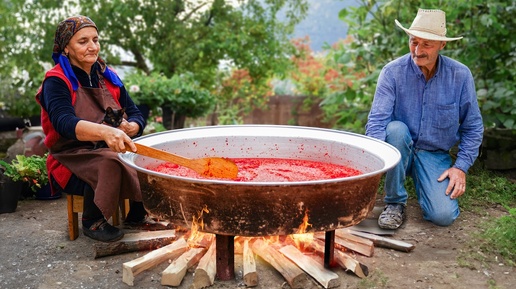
point(457, 185)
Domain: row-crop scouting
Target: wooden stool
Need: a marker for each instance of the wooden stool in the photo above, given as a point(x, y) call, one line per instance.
point(75, 206)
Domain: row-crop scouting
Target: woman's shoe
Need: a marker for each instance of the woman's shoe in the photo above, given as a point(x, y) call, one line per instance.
point(147, 223)
point(103, 231)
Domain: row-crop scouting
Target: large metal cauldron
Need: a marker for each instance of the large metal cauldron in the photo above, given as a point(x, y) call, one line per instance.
point(266, 208)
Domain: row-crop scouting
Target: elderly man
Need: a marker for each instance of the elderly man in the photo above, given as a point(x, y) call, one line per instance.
point(424, 104)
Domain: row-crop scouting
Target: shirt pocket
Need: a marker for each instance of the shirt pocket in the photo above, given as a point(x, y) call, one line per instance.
point(445, 116)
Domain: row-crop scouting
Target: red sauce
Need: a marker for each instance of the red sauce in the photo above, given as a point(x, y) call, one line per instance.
point(272, 170)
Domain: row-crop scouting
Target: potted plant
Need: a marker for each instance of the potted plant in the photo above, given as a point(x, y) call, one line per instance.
point(31, 170)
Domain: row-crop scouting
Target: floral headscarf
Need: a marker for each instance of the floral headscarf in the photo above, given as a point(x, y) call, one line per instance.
point(64, 32)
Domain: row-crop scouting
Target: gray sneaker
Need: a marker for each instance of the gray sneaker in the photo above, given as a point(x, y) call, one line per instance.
point(392, 216)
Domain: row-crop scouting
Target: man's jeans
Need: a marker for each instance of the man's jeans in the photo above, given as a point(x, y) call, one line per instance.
point(424, 167)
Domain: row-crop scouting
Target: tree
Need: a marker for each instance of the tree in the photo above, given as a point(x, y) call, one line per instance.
point(167, 37)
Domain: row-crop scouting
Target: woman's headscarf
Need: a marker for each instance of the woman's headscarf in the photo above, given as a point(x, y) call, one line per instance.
point(64, 32)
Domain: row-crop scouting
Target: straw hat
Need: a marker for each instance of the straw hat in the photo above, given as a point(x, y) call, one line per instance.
point(429, 24)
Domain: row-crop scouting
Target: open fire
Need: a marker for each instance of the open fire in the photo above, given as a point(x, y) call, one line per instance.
point(296, 257)
point(300, 258)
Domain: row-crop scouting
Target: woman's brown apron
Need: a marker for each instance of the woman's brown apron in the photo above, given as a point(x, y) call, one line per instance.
point(111, 179)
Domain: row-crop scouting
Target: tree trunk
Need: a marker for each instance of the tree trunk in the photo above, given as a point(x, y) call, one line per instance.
point(171, 120)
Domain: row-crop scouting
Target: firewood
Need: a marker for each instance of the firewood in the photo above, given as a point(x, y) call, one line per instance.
point(385, 242)
point(343, 259)
point(365, 247)
point(325, 277)
point(250, 275)
point(294, 276)
point(205, 272)
point(132, 242)
point(203, 241)
point(151, 259)
point(174, 273)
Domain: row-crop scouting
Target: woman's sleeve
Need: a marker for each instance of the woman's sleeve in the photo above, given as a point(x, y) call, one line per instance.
point(57, 102)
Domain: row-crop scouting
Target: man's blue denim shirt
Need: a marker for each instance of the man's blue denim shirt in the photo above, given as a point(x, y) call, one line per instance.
point(438, 113)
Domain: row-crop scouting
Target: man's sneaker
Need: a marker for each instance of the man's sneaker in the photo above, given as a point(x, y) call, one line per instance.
point(392, 216)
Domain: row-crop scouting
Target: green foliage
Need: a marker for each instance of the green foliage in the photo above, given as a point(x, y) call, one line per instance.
point(32, 169)
point(500, 235)
point(238, 94)
point(182, 93)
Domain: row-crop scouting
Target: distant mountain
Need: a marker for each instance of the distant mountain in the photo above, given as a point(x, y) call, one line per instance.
point(322, 24)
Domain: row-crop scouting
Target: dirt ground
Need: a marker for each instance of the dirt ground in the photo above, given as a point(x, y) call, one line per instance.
point(35, 252)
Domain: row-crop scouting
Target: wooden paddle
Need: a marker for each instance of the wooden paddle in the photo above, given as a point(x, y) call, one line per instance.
point(212, 167)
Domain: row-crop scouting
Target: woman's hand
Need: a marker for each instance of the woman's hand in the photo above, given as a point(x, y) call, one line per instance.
point(130, 128)
point(116, 139)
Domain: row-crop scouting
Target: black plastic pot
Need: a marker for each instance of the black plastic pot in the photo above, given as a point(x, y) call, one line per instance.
point(9, 195)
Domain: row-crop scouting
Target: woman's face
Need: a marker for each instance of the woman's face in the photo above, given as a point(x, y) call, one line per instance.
point(425, 52)
point(83, 48)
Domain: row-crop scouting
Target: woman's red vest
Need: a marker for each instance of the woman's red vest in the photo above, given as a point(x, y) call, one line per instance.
point(56, 170)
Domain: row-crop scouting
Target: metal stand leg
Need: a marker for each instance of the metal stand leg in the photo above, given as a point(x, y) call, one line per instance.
point(329, 246)
point(225, 252)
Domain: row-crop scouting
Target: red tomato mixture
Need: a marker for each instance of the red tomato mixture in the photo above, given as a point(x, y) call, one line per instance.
point(272, 170)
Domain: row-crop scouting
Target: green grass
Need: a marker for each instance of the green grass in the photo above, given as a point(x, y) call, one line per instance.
point(499, 237)
point(486, 188)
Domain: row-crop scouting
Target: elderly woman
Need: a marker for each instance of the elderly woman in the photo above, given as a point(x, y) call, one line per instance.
point(74, 97)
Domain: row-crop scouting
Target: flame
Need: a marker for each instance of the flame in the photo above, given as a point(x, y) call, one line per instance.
point(302, 228)
point(197, 225)
point(301, 237)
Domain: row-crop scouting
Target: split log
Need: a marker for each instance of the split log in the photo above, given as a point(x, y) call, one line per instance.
point(176, 271)
point(294, 276)
point(133, 242)
point(386, 242)
point(205, 272)
point(364, 246)
point(250, 275)
point(151, 259)
point(325, 277)
point(344, 260)
point(203, 240)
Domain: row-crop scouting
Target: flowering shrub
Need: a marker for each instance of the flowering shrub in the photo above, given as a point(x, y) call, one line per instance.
point(32, 170)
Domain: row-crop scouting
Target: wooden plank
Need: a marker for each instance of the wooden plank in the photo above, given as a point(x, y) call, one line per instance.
point(294, 276)
point(386, 242)
point(344, 260)
point(340, 242)
point(205, 272)
point(176, 271)
point(323, 276)
point(141, 241)
point(345, 234)
point(151, 259)
point(250, 275)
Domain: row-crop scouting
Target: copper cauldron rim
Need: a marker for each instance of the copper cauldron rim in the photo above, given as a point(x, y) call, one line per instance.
point(390, 155)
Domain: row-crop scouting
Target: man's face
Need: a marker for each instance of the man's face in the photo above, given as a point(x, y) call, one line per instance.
point(425, 52)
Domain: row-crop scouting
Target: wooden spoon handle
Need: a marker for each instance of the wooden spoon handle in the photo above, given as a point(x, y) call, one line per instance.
point(162, 155)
